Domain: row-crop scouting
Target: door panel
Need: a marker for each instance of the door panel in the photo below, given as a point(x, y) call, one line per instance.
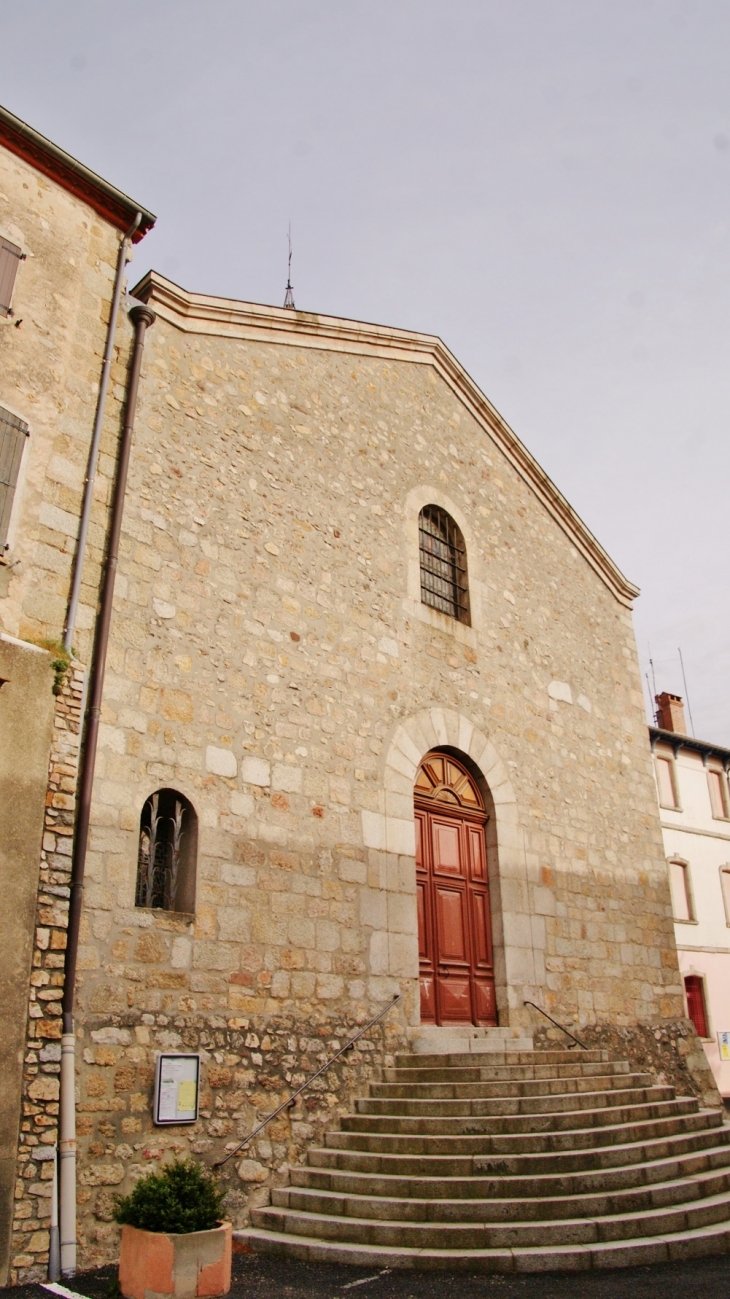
point(477, 855)
point(451, 924)
point(454, 1000)
point(479, 929)
point(485, 1002)
point(421, 904)
point(447, 854)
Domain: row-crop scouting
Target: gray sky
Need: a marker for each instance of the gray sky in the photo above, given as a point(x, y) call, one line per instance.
point(544, 183)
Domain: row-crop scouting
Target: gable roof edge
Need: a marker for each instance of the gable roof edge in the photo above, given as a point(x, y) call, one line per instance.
point(227, 317)
point(53, 161)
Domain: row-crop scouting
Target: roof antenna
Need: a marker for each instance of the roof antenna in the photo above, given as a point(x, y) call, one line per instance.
point(289, 295)
point(686, 691)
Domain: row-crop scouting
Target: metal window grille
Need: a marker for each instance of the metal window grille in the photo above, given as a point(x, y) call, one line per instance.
point(444, 583)
point(13, 433)
point(10, 258)
point(164, 832)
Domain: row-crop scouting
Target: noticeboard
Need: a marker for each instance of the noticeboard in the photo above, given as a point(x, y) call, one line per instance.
point(723, 1041)
point(177, 1079)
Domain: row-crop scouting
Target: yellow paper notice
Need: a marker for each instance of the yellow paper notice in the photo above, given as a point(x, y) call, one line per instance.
point(186, 1095)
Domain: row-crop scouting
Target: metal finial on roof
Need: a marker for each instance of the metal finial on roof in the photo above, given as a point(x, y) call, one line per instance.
point(289, 295)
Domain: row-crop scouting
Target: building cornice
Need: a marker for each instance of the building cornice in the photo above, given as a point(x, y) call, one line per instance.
point(677, 741)
point(225, 317)
point(105, 199)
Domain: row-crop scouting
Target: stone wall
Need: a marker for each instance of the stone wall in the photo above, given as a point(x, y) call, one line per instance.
point(250, 1065)
point(40, 1087)
point(669, 1050)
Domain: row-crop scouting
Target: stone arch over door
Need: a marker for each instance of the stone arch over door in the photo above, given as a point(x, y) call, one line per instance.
point(518, 947)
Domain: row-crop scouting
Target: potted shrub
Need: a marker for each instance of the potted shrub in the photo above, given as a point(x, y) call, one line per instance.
point(173, 1241)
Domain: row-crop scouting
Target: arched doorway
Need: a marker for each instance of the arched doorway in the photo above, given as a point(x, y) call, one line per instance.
point(454, 923)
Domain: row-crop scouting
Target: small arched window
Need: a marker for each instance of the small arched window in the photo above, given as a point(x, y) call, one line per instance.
point(442, 555)
point(168, 842)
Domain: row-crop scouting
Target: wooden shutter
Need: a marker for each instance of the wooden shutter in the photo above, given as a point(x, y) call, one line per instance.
point(13, 433)
point(665, 782)
point(725, 882)
point(717, 793)
point(681, 896)
point(10, 258)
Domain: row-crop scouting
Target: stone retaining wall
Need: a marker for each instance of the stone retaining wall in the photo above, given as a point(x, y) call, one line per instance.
point(41, 1083)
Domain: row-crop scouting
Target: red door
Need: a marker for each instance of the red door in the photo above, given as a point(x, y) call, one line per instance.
point(454, 924)
point(696, 1003)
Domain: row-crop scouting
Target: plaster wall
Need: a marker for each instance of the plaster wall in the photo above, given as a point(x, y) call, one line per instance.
point(693, 835)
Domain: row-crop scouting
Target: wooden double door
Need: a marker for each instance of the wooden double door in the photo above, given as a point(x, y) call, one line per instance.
point(454, 922)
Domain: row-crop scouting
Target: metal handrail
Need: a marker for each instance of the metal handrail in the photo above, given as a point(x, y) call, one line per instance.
point(562, 1027)
point(285, 1105)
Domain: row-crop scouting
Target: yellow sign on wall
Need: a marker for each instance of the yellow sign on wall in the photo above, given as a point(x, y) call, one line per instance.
point(723, 1041)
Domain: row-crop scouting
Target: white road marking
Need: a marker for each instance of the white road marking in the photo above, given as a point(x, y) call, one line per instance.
point(61, 1290)
point(366, 1279)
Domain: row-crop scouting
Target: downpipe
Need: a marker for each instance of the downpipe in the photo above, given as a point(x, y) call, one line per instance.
point(142, 318)
point(73, 604)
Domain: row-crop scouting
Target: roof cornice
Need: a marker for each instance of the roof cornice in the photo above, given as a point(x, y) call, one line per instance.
point(676, 740)
point(199, 313)
point(47, 157)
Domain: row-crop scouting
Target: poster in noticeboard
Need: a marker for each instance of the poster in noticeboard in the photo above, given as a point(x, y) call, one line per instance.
point(177, 1080)
point(723, 1041)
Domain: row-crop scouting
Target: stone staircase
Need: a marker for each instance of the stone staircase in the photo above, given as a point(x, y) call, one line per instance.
point(508, 1161)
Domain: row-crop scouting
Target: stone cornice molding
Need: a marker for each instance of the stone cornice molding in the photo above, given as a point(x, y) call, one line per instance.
point(48, 158)
point(201, 314)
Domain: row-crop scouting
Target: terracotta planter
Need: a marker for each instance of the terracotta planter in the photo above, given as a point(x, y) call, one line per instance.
point(155, 1263)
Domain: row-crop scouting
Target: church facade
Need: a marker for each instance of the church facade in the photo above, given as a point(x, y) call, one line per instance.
point(372, 725)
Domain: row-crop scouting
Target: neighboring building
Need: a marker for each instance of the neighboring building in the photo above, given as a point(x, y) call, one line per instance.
point(59, 246)
point(694, 802)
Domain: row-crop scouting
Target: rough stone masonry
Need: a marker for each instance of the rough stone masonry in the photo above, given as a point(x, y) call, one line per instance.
point(271, 660)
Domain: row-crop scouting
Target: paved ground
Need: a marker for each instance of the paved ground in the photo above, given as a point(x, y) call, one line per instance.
point(262, 1278)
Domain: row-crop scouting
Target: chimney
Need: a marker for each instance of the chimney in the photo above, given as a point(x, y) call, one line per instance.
point(670, 713)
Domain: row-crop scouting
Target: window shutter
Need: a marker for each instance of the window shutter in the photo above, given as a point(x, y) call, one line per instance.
point(10, 258)
point(13, 433)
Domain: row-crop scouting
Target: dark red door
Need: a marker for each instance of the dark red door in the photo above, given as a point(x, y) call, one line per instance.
point(454, 924)
point(696, 1003)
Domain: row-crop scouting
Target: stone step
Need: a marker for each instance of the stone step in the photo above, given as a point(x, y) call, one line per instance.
point(635, 1174)
point(503, 1059)
point(451, 1043)
point(469, 1068)
point(457, 1078)
point(658, 1139)
point(497, 1235)
point(523, 1161)
point(639, 1251)
point(522, 1134)
point(429, 1040)
point(544, 1088)
point(633, 1200)
point(496, 1107)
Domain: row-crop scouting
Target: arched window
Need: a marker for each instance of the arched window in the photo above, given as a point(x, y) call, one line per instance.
point(168, 841)
point(443, 563)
